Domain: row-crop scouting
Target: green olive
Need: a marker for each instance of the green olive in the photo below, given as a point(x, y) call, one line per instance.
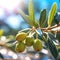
point(20, 47)
point(37, 45)
point(29, 41)
point(21, 36)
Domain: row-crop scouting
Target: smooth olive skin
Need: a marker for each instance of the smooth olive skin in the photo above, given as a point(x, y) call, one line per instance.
point(21, 36)
point(29, 41)
point(37, 45)
point(20, 47)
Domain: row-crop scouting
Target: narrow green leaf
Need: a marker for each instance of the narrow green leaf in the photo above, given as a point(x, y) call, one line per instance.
point(39, 32)
point(52, 37)
point(24, 30)
point(52, 48)
point(58, 37)
point(36, 24)
point(10, 41)
point(11, 46)
point(52, 14)
point(42, 20)
point(30, 19)
point(31, 12)
point(25, 17)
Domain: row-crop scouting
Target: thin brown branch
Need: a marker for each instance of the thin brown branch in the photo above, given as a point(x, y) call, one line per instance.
point(50, 28)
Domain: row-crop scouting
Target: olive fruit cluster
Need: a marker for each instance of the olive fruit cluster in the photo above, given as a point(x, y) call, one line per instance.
point(25, 40)
point(20, 45)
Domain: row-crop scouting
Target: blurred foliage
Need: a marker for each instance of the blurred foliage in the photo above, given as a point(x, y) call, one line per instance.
point(1, 32)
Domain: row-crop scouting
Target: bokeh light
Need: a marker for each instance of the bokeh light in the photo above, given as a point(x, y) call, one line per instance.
point(9, 4)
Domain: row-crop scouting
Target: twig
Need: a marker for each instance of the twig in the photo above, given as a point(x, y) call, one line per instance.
point(50, 28)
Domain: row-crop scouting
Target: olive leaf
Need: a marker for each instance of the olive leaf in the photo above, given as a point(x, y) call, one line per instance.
point(31, 12)
point(52, 14)
point(30, 19)
point(42, 19)
point(58, 37)
point(31, 15)
point(25, 17)
point(24, 30)
point(52, 48)
point(52, 37)
point(36, 24)
point(39, 32)
point(56, 18)
point(10, 46)
point(10, 41)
